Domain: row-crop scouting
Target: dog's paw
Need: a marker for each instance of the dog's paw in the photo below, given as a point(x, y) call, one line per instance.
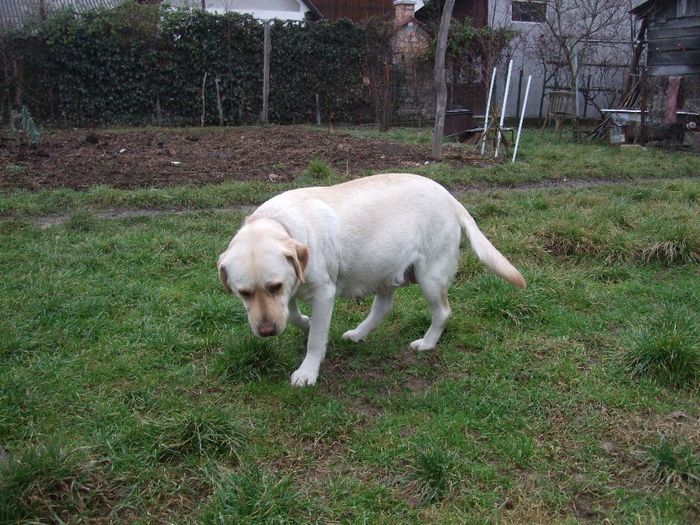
point(303, 377)
point(421, 345)
point(354, 336)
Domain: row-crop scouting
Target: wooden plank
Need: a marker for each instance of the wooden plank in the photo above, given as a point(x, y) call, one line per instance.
point(676, 23)
point(677, 69)
point(675, 43)
point(653, 34)
point(657, 58)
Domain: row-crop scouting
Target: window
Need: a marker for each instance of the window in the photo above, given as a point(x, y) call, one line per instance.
point(529, 10)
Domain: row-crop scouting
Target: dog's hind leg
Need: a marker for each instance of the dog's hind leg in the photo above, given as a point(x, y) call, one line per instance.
point(434, 282)
point(380, 308)
point(441, 312)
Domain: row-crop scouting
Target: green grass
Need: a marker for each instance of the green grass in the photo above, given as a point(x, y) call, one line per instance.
point(669, 463)
point(15, 169)
point(132, 390)
point(256, 497)
point(434, 473)
point(43, 481)
point(666, 349)
point(317, 173)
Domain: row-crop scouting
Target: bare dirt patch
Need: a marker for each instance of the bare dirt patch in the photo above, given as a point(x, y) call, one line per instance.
point(79, 158)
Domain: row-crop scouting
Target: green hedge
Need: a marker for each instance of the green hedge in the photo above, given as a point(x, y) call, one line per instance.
point(144, 64)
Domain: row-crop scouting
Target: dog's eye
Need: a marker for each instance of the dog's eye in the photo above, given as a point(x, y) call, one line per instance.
point(274, 288)
point(245, 294)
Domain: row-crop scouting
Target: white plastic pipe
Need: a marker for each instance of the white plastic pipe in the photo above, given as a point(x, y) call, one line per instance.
point(488, 109)
point(522, 116)
point(503, 108)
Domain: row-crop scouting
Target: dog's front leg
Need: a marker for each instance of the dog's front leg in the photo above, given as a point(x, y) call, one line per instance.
point(296, 317)
point(321, 311)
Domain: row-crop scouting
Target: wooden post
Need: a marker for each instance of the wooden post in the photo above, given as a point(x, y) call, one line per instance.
point(440, 82)
point(545, 79)
point(218, 102)
point(204, 84)
point(266, 73)
point(318, 111)
point(576, 84)
point(643, 132)
point(585, 98)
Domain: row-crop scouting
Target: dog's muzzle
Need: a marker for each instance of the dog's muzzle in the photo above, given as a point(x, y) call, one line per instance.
point(267, 329)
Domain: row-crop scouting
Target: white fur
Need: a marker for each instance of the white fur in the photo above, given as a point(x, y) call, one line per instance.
point(367, 236)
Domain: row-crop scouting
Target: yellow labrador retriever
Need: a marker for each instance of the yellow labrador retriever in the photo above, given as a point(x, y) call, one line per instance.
point(367, 236)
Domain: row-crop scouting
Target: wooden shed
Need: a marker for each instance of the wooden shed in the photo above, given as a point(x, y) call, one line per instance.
point(673, 36)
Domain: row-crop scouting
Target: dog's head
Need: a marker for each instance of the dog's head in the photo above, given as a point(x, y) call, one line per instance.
point(263, 266)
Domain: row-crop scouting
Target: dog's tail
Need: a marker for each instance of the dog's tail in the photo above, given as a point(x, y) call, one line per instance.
point(485, 251)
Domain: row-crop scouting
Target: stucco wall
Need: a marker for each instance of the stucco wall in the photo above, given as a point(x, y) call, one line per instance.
point(260, 9)
point(524, 55)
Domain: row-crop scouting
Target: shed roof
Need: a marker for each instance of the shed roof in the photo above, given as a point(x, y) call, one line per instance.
point(643, 7)
point(355, 10)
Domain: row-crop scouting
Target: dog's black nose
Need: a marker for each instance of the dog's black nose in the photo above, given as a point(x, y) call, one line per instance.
point(267, 329)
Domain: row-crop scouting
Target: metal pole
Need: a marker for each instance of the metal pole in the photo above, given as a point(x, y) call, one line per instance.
point(522, 116)
point(503, 109)
point(488, 108)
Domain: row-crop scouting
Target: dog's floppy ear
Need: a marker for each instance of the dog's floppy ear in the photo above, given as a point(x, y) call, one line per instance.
point(223, 276)
point(299, 256)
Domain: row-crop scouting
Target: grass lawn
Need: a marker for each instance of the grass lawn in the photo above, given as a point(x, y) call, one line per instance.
point(131, 389)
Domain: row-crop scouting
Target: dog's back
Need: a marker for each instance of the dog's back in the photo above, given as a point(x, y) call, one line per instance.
point(381, 226)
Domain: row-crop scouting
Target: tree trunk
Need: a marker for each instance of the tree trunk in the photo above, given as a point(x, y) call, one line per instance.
point(440, 82)
point(19, 82)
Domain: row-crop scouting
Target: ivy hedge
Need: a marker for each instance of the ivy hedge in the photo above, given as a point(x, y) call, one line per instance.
point(146, 64)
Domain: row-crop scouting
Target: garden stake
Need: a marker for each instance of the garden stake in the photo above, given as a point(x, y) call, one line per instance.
point(503, 109)
point(488, 108)
point(522, 116)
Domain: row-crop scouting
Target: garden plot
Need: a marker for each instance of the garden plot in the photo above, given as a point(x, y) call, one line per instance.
point(136, 158)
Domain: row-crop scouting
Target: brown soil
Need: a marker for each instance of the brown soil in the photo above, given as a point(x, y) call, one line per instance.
point(79, 158)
